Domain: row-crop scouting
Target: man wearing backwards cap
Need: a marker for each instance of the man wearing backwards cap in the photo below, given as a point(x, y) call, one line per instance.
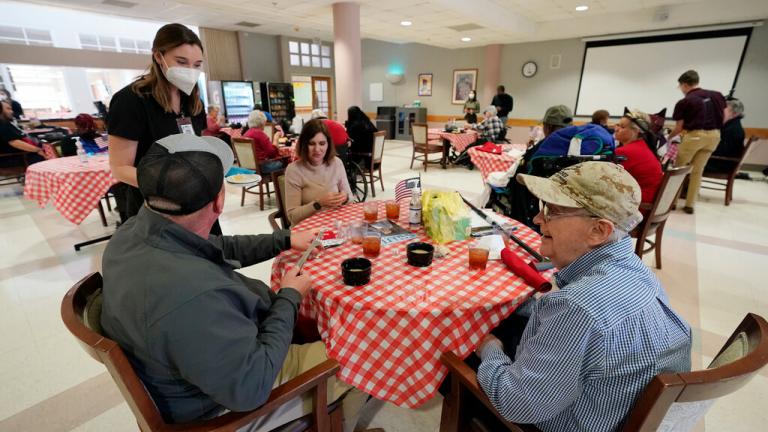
point(203, 338)
point(589, 349)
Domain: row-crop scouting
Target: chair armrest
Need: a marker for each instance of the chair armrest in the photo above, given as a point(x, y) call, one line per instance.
point(646, 206)
point(467, 378)
point(292, 389)
point(726, 158)
point(273, 220)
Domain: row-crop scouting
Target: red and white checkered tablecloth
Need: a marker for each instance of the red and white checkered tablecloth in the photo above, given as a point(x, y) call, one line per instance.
point(389, 334)
point(459, 141)
point(75, 188)
point(234, 133)
point(489, 162)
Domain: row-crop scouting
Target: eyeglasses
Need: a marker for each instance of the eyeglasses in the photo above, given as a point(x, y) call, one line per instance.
point(550, 214)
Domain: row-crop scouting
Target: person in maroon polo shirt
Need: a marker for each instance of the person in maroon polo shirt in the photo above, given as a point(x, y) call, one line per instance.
point(338, 133)
point(699, 117)
point(641, 161)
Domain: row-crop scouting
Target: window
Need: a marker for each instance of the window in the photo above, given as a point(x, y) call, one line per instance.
point(305, 54)
point(25, 36)
point(40, 90)
point(113, 44)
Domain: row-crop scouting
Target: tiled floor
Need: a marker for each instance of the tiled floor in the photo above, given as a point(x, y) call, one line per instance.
point(714, 272)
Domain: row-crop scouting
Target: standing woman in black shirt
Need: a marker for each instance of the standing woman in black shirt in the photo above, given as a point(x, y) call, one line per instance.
point(164, 101)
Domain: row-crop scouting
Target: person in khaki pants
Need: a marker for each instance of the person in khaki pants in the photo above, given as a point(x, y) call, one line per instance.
point(699, 117)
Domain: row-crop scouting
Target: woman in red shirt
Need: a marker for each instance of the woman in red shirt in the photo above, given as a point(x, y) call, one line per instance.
point(264, 148)
point(641, 161)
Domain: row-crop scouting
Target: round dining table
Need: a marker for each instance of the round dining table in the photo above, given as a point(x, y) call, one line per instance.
point(487, 162)
point(388, 335)
point(74, 187)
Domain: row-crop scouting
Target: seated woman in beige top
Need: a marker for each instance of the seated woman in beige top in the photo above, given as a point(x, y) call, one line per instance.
point(317, 180)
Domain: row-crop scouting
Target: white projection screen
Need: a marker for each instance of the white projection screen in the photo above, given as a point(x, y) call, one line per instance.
point(642, 72)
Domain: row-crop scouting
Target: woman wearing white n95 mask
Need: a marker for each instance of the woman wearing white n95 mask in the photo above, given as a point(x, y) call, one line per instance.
point(164, 101)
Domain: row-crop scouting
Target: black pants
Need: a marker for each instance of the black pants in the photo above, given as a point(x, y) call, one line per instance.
point(509, 332)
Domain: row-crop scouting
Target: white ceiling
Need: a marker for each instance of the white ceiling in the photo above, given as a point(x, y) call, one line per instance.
point(502, 21)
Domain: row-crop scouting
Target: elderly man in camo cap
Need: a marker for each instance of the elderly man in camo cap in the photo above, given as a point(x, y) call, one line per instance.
point(589, 348)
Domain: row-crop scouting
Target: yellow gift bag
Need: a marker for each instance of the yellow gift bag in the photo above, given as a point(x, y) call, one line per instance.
point(445, 216)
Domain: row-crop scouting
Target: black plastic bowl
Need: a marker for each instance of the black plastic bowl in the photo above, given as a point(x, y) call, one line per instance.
point(356, 271)
point(420, 254)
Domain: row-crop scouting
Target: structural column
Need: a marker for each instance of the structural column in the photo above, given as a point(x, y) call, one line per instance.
point(491, 75)
point(347, 57)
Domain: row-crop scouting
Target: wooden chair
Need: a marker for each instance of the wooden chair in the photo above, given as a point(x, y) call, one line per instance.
point(658, 212)
point(81, 312)
point(375, 160)
point(246, 155)
point(729, 177)
point(278, 179)
point(672, 401)
point(269, 129)
point(422, 144)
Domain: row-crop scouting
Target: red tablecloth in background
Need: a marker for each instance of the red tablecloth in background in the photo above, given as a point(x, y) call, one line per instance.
point(75, 188)
point(487, 163)
point(234, 133)
point(459, 141)
point(389, 335)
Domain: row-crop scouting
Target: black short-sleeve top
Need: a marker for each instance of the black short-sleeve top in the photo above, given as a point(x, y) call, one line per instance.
point(9, 132)
point(140, 118)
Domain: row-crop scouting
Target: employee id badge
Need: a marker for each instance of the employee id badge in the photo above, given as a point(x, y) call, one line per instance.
point(185, 126)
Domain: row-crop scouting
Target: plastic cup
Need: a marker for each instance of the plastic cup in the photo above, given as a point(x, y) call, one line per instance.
point(371, 244)
point(393, 210)
point(478, 257)
point(355, 232)
point(371, 211)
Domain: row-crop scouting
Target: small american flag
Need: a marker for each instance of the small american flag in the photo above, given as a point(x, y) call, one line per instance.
point(102, 141)
point(404, 188)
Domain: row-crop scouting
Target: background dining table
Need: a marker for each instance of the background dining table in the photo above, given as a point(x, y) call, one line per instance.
point(487, 163)
point(388, 335)
point(74, 187)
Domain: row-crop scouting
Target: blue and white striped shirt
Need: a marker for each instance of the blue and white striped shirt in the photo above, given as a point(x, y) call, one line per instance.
point(591, 348)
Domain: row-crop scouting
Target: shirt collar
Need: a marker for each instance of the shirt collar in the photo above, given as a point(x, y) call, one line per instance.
point(163, 233)
point(593, 258)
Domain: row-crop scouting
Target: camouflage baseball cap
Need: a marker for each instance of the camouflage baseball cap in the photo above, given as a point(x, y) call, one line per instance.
point(604, 189)
point(558, 115)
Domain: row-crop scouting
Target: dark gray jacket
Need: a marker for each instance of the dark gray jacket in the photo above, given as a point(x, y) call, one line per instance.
point(201, 336)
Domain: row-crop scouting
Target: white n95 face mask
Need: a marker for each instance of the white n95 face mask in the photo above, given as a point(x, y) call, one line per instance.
point(183, 78)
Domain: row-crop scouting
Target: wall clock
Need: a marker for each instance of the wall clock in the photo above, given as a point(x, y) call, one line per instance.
point(529, 69)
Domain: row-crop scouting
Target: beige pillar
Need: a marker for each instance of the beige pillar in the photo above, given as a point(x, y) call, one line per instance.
point(347, 57)
point(491, 75)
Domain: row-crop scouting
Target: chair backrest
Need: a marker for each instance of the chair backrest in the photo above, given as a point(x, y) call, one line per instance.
point(419, 133)
point(744, 153)
point(269, 129)
point(76, 312)
point(278, 179)
point(244, 151)
point(378, 145)
point(675, 402)
point(667, 194)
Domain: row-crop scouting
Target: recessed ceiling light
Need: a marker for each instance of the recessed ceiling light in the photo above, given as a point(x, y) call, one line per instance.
point(581, 8)
point(466, 39)
point(405, 23)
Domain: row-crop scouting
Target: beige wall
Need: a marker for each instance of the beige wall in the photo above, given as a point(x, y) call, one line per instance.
point(260, 57)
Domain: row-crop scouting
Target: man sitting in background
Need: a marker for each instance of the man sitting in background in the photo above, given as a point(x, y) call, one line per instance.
point(589, 348)
point(491, 128)
point(203, 338)
point(13, 140)
point(731, 137)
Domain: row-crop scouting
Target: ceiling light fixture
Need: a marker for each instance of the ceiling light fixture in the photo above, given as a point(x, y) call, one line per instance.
point(405, 23)
point(466, 39)
point(582, 8)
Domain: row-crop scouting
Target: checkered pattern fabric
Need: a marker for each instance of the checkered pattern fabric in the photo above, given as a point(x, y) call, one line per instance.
point(459, 141)
point(102, 141)
point(389, 334)
point(234, 133)
point(75, 188)
point(489, 162)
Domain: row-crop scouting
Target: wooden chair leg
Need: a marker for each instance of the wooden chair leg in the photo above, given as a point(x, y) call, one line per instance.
point(242, 198)
point(413, 156)
point(426, 160)
point(639, 246)
point(109, 205)
point(381, 178)
point(373, 185)
point(337, 420)
point(261, 196)
point(657, 246)
point(729, 192)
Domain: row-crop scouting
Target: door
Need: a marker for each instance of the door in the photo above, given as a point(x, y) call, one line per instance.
point(321, 95)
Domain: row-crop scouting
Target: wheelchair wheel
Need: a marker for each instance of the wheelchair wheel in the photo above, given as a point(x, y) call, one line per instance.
point(357, 182)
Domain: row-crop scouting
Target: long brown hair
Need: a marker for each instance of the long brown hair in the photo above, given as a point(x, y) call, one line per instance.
point(310, 129)
point(167, 38)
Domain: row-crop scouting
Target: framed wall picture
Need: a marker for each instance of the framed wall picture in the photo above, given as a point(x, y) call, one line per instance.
point(425, 84)
point(464, 80)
